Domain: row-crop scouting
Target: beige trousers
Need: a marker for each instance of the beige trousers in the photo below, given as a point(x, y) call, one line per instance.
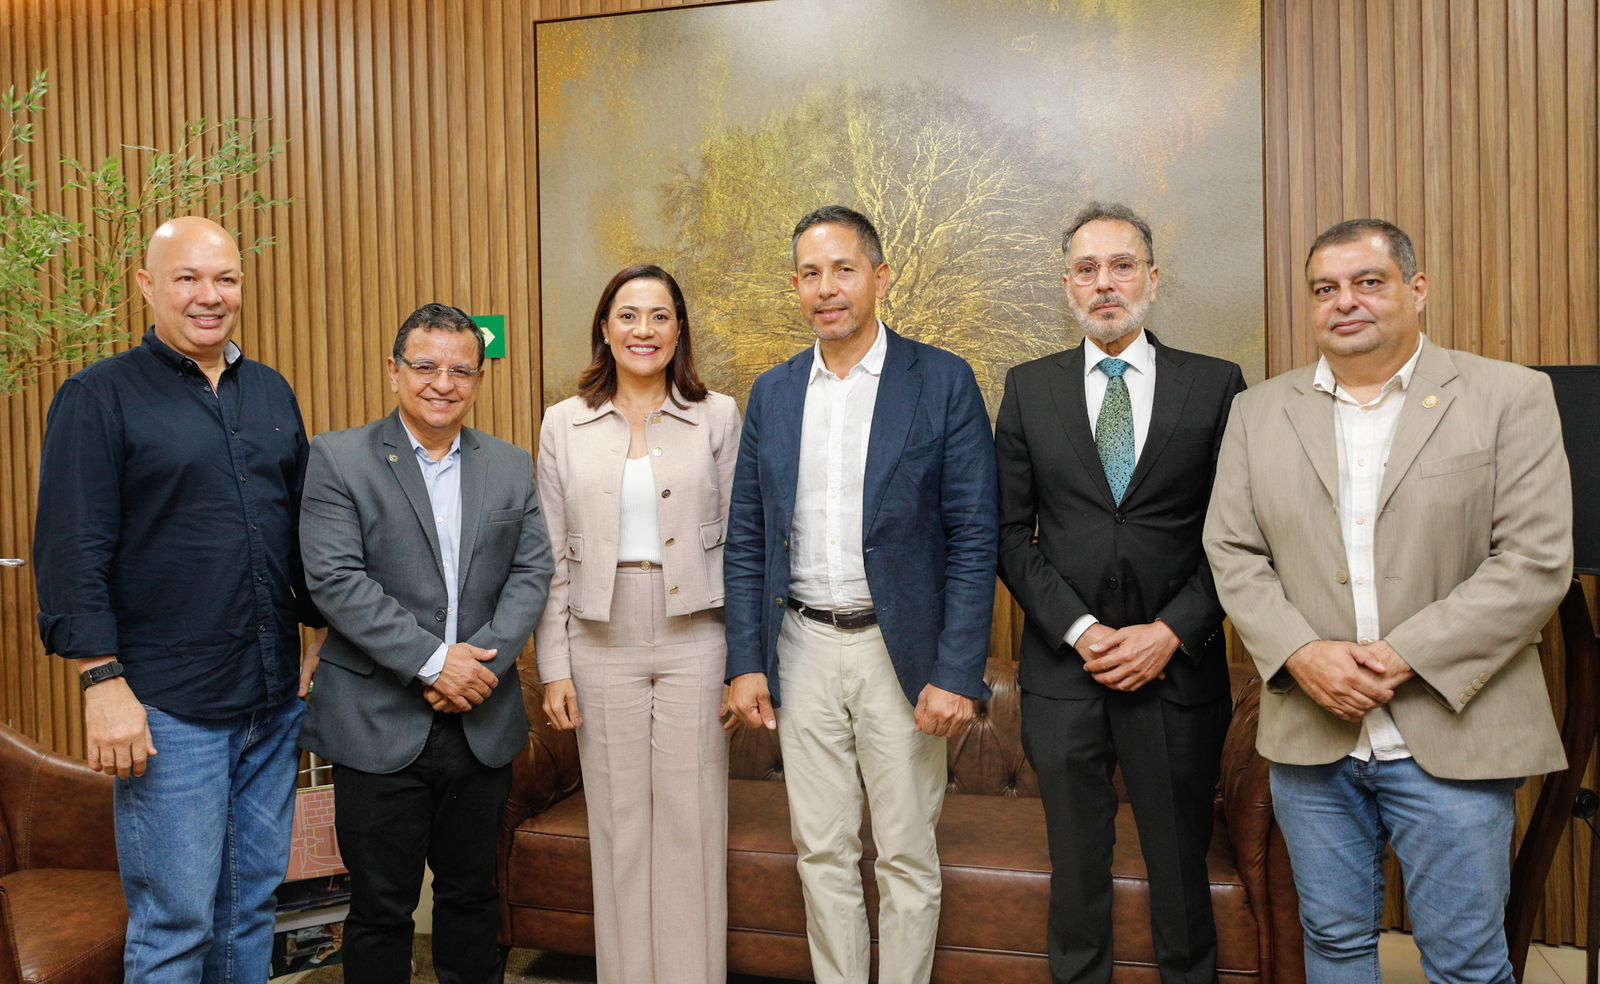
point(655, 776)
point(845, 722)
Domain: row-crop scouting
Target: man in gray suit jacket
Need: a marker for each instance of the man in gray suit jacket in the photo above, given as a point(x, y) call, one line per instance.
point(425, 550)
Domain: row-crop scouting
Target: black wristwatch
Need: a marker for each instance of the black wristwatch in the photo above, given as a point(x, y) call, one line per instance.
point(99, 674)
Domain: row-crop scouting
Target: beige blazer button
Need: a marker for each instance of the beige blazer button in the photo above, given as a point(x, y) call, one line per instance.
point(1342, 577)
point(671, 540)
point(673, 589)
point(666, 493)
point(656, 452)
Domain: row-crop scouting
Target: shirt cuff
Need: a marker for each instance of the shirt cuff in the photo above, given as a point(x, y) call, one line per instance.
point(1079, 628)
point(429, 674)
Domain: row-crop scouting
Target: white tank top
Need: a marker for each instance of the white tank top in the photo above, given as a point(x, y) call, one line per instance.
point(639, 535)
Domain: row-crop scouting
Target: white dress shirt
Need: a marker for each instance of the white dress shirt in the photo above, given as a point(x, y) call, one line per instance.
point(1363, 434)
point(1140, 355)
point(443, 479)
point(827, 569)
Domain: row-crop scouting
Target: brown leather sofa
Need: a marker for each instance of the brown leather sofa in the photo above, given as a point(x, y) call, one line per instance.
point(991, 848)
point(62, 917)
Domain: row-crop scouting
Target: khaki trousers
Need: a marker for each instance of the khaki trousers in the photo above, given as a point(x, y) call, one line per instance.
point(845, 722)
point(655, 776)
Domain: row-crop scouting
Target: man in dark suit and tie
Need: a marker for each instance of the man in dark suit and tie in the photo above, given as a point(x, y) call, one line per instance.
point(859, 571)
point(1106, 454)
point(425, 549)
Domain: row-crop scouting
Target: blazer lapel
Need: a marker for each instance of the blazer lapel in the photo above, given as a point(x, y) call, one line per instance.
point(471, 503)
point(788, 411)
point(1173, 381)
point(1417, 418)
point(402, 461)
point(1311, 413)
point(1072, 407)
point(899, 388)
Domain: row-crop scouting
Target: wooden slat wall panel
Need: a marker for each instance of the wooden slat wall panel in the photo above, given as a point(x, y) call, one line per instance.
point(413, 159)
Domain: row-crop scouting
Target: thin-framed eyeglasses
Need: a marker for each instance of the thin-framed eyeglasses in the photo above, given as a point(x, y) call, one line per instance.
point(428, 370)
point(1121, 268)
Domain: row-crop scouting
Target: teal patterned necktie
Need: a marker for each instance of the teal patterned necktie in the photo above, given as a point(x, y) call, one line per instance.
point(1113, 432)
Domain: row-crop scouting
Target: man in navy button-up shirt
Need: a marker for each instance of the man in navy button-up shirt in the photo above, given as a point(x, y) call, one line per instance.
point(169, 571)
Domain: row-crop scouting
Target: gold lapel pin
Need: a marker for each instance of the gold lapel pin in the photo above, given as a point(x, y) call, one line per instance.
point(394, 457)
point(1430, 401)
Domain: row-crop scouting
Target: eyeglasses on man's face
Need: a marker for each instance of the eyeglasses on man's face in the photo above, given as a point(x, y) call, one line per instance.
point(1121, 268)
point(431, 371)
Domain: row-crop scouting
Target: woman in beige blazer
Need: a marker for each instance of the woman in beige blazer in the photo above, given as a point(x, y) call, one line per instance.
point(634, 476)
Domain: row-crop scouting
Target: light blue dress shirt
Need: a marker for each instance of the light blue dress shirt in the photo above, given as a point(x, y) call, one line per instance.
point(443, 479)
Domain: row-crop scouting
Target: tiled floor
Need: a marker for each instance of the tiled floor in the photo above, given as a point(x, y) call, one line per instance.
point(1546, 964)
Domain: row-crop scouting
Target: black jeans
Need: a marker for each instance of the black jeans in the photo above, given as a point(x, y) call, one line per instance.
point(443, 809)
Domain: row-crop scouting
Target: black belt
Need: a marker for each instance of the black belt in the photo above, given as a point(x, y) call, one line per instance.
point(858, 619)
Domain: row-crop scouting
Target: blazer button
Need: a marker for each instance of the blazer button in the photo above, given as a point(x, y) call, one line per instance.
point(666, 493)
point(1114, 584)
point(1120, 519)
point(777, 602)
point(438, 616)
point(673, 589)
point(671, 540)
point(1342, 577)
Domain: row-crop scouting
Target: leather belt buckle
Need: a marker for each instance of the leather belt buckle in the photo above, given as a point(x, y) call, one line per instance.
point(843, 621)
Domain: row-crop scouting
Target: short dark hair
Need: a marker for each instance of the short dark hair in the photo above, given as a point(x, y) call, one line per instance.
point(598, 382)
point(839, 215)
point(1096, 211)
point(436, 317)
point(1401, 249)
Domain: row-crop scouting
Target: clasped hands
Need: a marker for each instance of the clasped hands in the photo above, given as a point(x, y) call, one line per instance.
point(465, 681)
point(1348, 679)
point(1126, 659)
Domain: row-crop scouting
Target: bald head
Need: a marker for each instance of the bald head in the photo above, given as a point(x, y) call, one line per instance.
point(177, 236)
point(192, 280)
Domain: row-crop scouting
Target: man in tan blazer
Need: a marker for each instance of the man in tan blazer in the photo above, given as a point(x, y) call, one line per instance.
point(1389, 530)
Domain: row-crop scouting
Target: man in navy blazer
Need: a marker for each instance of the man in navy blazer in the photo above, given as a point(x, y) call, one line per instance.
point(859, 572)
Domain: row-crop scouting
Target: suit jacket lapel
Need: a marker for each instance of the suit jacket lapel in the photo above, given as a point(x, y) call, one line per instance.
point(899, 388)
point(1072, 407)
point(402, 460)
point(1417, 419)
point(472, 481)
point(1311, 413)
point(1173, 381)
point(783, 432)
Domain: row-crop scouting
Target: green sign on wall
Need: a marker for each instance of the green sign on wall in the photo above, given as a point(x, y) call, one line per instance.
point(493, 327)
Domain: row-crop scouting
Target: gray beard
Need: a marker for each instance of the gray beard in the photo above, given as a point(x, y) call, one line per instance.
point(1105, 334)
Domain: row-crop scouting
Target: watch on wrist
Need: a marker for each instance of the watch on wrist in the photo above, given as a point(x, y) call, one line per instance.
point(99, 674)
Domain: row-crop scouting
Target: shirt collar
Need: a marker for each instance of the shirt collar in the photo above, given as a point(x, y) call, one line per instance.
point(871, 362)
point(1325, 381)
point(455, 445)
point(1140, 354)
point(230, 355)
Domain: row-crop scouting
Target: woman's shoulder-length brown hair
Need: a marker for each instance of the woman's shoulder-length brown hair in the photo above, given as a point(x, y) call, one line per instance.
point(598, 382)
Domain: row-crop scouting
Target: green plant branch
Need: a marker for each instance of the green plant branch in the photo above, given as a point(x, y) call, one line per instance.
point(63, 288)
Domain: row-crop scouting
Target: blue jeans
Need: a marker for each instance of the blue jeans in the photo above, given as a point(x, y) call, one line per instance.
point(203, 843)
point(1452, 838)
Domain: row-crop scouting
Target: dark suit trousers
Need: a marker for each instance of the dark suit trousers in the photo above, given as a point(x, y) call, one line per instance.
point(1170, 756)
point(442, 809)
